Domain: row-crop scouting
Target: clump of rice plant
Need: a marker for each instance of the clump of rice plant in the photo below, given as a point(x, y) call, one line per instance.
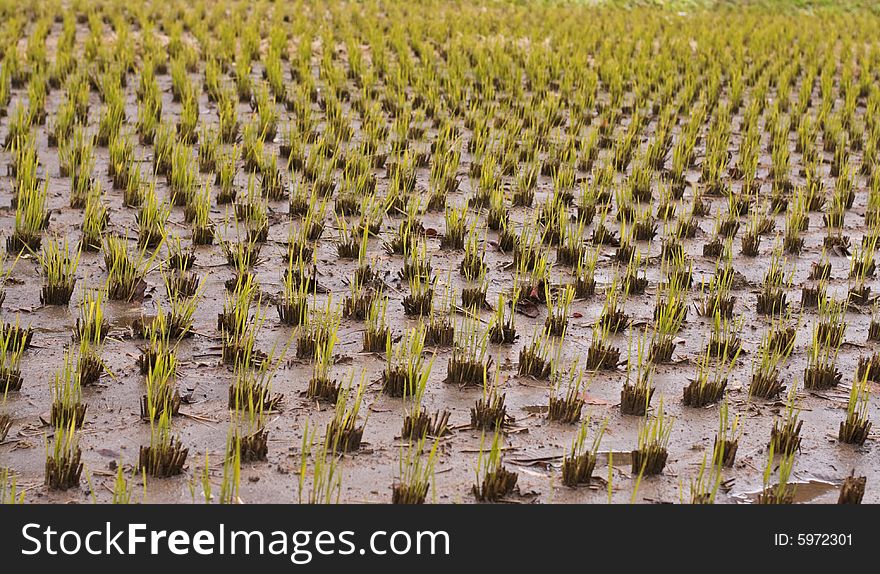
point(502, 328)
point(558, 309)
point(856, 427)
point(470, 364)
point(456, 228)
point(95, 219)
point(13, 342)
point(248, 430)
point(292, 305)
point(584, 274)
point(9, 491)
point(252, 383)
point(152, 218)
point(231, 481)
point(650, 456)
point(578, 463)
point(494, 482)
point(566, 400)
point(419, 300)
point(772, 299)
point(165, 455)
point(126, 271)
point(782, 492)
point(534, 360)
point(203, 231)
point(415, 472)
point(31, 218)
point(405, 364)
point(440, 328)
point(161, 394)
point(711, 381)
point(785, 435)
point(417, 423)
point(59, 267)
point(727, 439)
point(704, 487)
point(377, 336)
point(91, 323)
point(321, 385)
point(321, 324)
point(853, 489)
point(344, 432)
point(821, 372)
point(635, 397)
point(68, 410)
point(64, 459)
point(602, 355)
point(325, 477)
point(765, 381)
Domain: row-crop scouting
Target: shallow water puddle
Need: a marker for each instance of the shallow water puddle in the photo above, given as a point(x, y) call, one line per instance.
point(805, 491)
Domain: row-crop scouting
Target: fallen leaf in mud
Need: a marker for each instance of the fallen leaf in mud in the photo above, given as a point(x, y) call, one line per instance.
point(577, 315)
point(591, 400)
point(108, 453)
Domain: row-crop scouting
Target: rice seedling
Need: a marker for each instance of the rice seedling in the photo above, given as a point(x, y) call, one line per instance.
point(649, 458)
point(31, 218)
point(415, 472)
point(203, 232)
point(64, 459)
point(165, 455)
point(377, 335)
point(405, 364)
point(489, 411)
point(785, 435)
point(9, 491)
point(821, 372)
point(704, 487)
point(151, 218)
point(854, 429)
point(162, 396)
point(638, 389)
point(558, 310)
point(419, 301)
point(6, 417)
point(727, 439)
point(59, 268)
point(585, 274)
point(68, 410)
point(253, 372)
point(321, 385)
point(765, 381)
point(493, 481)
point(13, 341)
point(227, 167)
point(578, 463)
point(708, 388)
point(853, 489)
point(782, 492)
point(566, 395)
point(321, 324)
point(343, 432)
point(417, 423)
point(613, 317)
point(326, 479)
point(126, 271)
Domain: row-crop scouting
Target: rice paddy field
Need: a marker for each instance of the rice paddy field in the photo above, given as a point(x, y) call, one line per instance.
point(453, 252)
